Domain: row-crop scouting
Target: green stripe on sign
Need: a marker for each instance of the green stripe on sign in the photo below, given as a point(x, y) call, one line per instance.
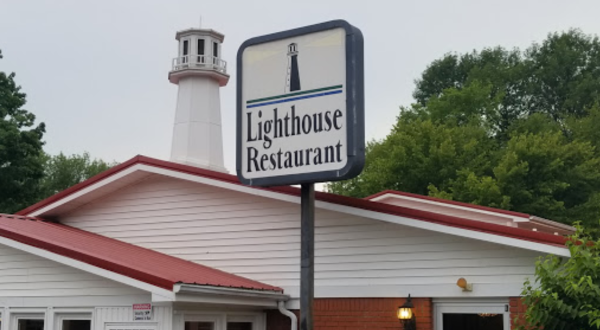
point(294, 94)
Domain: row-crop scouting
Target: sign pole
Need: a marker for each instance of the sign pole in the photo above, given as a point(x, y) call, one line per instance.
point(307, 255)
point(307, 128)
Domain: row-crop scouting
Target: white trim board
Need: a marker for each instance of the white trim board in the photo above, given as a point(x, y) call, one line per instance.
point(452, 206)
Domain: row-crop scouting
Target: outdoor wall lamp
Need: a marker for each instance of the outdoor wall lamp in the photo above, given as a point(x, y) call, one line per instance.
point(406, 315)
point(464, 285)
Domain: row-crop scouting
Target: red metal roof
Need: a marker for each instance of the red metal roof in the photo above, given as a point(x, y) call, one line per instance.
point(446, 201)
point(126, 259)
point(365, 204)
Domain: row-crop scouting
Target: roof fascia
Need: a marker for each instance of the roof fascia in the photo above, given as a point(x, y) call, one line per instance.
point(222, 295)
point(67, 192)
point(515, 218)
point(99, 184)
point(87, 268)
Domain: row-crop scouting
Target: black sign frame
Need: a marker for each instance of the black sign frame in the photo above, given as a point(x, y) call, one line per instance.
point(355, 104)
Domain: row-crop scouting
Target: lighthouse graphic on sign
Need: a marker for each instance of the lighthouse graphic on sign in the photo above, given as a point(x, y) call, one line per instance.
point(292, 82)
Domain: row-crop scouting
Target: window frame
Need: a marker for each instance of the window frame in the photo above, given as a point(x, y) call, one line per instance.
point(258, 319)
point(26, 315)
point(185, 47)
point(216, 319)
point(470, 306)
point(130, 326)
point(198, 42)
point(60, 316)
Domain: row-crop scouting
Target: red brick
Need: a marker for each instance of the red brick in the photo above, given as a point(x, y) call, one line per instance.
point(358, 313)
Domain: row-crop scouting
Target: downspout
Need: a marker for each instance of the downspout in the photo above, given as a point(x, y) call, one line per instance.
point(288, 313)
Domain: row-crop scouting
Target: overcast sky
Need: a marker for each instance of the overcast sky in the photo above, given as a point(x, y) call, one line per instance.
point(96, 71)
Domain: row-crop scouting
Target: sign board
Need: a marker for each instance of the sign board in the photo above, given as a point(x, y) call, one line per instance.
point(142, 312)
point(300, 106)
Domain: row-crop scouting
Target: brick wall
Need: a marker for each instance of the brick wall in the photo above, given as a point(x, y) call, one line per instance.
point(517, 311)
point(358, 313)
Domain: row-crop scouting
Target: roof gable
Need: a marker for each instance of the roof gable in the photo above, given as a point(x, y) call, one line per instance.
point(137, 166)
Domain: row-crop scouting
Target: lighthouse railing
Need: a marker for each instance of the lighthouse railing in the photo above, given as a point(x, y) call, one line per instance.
point(199, 62)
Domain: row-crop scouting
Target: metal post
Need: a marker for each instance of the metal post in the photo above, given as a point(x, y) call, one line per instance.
point(307, 255)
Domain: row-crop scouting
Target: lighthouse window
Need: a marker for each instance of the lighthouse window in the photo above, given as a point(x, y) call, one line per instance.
point(185, 51)
point(200, 46)
point(185, 48)
point(215, 49)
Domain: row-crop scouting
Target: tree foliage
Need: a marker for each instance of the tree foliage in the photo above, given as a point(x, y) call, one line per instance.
point(62, 172)
point(566, 293)
point(511, 129)
point(20, 148)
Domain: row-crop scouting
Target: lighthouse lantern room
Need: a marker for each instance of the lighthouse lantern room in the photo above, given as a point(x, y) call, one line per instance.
point(199, 72)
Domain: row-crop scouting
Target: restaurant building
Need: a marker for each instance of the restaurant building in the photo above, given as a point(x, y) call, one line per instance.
point(181, 244)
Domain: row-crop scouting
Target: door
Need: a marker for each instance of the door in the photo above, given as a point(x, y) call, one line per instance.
point(471, 315)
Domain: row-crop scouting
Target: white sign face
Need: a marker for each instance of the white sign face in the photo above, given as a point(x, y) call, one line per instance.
point(294, 117)
point(142, 312)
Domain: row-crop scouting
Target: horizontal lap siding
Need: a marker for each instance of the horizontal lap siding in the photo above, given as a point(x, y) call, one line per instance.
point(259, 238)
point(27, 275)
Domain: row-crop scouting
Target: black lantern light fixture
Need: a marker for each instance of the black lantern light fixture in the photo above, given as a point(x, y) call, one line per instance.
point(406, 315)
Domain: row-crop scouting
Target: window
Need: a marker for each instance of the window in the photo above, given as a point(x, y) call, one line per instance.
point(191, 325)
point(185, 51)
point(215, 49)
point(27, 321)
point(202, 322)
point(200, 46)
point(28, 324)
point(185, 47)
point(76, 325)
point(73, 321)
point(239, 325)
point(244, 322)
point(223, 321)
point(471, 314)
point(129, 326)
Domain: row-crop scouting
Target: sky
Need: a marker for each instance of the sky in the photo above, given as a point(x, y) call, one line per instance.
point(96, 71)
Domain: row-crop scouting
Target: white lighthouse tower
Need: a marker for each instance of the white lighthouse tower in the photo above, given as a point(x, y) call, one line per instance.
point(199, 72)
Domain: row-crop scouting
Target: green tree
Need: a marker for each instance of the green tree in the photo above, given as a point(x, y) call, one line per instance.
point(510, 129)
point(537, 173)
point(21, 154)
point(566, 293)
point(586, 128)
point(564, 74)
point(419, 153)
point(559, 77)
point(62, 172)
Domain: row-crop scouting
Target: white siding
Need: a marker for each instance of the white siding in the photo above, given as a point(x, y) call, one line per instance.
point(27, 276)
point(161, 318)
point(259, 238)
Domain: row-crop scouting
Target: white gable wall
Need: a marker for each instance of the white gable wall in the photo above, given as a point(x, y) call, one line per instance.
point(259, 238)
point(30, 280)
